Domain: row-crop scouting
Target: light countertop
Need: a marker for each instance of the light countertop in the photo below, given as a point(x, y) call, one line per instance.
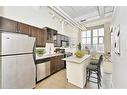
point(48, 56)
point(75, 59)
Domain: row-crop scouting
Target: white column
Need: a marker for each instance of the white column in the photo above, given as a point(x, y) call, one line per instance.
point(107, 38)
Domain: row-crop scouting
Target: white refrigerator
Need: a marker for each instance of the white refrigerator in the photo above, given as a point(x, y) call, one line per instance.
point(17, 65)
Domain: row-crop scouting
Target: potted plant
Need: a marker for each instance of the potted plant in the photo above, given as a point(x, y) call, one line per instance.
point(79, 46)
point(40, 52)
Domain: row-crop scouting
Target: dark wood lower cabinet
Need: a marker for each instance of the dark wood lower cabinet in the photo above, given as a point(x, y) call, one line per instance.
point(52, 65)
point(59, 63)
point(56, 64)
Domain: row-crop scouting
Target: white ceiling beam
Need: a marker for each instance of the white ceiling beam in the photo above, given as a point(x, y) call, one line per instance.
point(101, 11)
point(59, 11)
point(98, 21)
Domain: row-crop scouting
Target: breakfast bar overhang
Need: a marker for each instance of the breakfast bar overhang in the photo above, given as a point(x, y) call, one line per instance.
point(76, 69)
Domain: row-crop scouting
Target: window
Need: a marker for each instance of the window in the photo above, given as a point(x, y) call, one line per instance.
point(88, 41)
point(84, 40)
point(95, 32)
point(88, 33)
point(101, 32)
point(86, 37)
point(100, 40)
point(94, 39)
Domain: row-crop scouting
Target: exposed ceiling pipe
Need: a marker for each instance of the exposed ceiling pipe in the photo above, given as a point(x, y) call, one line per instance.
point(80, 26)
point(66, 17)
point(60, 16)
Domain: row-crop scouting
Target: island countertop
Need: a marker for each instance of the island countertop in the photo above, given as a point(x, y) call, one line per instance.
point(75, 59)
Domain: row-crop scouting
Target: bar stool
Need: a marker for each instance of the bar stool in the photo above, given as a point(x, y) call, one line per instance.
point(94, 69)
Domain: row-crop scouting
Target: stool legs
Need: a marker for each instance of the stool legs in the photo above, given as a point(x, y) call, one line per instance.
point(98, 80)
point(86, 76)
point(88, 73)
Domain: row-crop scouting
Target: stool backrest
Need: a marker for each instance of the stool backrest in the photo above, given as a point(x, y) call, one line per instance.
point(100, 60)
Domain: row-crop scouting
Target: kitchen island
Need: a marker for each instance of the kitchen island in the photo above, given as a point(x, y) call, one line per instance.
point(76, 69)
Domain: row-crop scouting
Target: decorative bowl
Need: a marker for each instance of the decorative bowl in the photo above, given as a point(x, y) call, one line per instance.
point(79, 54)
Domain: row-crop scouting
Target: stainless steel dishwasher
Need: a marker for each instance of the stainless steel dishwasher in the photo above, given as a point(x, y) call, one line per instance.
point(43, 69)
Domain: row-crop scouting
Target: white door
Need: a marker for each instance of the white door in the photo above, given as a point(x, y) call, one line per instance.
point(25, 71)
point(8, 70)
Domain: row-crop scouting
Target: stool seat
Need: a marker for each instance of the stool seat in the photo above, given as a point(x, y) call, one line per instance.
point(94, 61)
point(92, 67)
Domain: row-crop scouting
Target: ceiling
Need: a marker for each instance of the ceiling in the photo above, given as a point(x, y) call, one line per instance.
point(83, 16)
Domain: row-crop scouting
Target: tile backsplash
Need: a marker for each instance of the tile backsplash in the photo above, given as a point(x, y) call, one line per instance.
point(49, 48)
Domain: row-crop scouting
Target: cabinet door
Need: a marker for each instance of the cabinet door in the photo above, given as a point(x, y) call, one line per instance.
point(44, 36)
point(49, 36)
point(52, 65)
point(62, 37)
point(57, 63)
point(60, 63)
point(24, 28)
point(33, 32)
point(66, 38)
point(8, 25)
point(40, 36)
point(58, 41)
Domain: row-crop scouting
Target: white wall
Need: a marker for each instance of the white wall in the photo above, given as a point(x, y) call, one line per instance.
point(120, 62)
point(39, 17)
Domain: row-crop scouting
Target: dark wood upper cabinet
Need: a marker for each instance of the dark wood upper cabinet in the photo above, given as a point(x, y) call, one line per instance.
point(57, 42)
point(15, 26)
point(50, 34)
point(59, 39)
point(40, 35)
point(24, 28)
point(8, 25)
point(32, 31)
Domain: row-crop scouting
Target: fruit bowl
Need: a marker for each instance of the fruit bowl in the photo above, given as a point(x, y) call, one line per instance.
point(79, 54)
